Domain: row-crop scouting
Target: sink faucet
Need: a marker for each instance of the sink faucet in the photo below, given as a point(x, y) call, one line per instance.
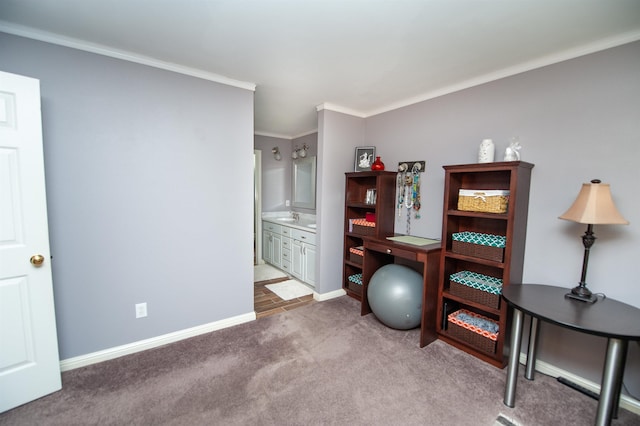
point(296, 216)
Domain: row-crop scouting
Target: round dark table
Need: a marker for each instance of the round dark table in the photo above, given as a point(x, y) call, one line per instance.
point(616, 321)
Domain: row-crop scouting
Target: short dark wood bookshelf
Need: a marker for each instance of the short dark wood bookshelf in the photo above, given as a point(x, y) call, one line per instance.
point(357, 207)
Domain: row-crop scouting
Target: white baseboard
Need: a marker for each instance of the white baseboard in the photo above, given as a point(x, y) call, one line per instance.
point(626, 402)
point(326, 296)
point(118, 351)
point(142, 345)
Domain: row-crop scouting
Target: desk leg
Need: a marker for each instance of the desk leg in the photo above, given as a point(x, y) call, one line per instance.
point(514, 355)
point(616, 397)
point(533, 348)
point(611, 380)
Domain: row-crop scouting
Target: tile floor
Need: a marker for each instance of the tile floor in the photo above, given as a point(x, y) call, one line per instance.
point(267, 303)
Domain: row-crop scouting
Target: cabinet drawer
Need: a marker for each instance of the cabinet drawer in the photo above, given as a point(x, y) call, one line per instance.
point(286, 265)
point(382, 248)
point(286, 231)
point(273, 227)
point(307, 237)
point(286, 254)
point(286, 243)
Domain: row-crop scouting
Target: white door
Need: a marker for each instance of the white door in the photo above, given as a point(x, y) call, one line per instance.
point(29, 362)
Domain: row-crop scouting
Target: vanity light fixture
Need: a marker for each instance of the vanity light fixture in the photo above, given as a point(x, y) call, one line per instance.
point(276, 153)
point(300, 152)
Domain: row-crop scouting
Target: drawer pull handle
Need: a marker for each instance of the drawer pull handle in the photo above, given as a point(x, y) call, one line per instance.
point(389, 251)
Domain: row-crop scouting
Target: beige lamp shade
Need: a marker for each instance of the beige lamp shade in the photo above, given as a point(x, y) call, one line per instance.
point(594, 205)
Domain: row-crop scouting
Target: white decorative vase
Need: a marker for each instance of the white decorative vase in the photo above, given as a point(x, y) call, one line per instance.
point(487, 151)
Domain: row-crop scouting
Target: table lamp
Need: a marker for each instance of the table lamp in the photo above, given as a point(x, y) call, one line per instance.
point(593, 206)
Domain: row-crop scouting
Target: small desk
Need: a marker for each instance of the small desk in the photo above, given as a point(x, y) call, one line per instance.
point(616, 321)
point(423, 259)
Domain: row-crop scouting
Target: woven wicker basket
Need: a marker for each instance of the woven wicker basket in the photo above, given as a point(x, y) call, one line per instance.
point(356, 254)
point(478, 250)
point(355, 288)
point(476, 287)
point(486, 201)
point(364, 230)
point(473, 338)
point(474, 295)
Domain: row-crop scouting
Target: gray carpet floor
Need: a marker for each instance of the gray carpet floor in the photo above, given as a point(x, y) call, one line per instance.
point(322, 364)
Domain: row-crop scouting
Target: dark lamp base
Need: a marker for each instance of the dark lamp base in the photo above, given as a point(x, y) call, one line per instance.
point(582, 294)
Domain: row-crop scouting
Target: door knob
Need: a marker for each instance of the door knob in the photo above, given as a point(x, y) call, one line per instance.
point(37, 260)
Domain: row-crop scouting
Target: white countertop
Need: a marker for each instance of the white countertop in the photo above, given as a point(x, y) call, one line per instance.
point(307, 222)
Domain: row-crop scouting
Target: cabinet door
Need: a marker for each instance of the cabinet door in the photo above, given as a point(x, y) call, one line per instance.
point(310, 264)
point(297, 259)
point(277, 250)
point(267, 247)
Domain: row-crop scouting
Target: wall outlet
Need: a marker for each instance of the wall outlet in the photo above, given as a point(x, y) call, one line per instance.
point(141, 310)
point(287, 203)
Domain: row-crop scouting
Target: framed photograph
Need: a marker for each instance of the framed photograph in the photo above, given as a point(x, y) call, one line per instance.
point(365, 156)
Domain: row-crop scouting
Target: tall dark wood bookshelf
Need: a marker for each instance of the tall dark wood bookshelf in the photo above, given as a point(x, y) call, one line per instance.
point(514, 176)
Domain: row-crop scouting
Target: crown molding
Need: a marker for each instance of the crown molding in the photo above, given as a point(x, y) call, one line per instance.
point(273, 135)
point(544, 61)
point(337, 108)
point(120, 54)
point(310, 132)
point(583, 50)
point(289, 137)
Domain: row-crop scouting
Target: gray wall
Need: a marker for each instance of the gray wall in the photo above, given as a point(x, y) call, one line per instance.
point(338, 135)
point(576, 120)
point(149, 181)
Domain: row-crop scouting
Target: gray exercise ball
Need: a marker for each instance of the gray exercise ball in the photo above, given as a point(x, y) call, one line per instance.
point(395, 296)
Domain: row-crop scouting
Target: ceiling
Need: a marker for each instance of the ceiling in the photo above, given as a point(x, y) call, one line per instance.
point(361, 57)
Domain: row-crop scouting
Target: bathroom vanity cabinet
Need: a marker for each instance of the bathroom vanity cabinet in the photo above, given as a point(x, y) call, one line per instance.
point(291, 249)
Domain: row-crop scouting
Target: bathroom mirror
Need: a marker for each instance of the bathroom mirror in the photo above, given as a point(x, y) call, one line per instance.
point(304, 183)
